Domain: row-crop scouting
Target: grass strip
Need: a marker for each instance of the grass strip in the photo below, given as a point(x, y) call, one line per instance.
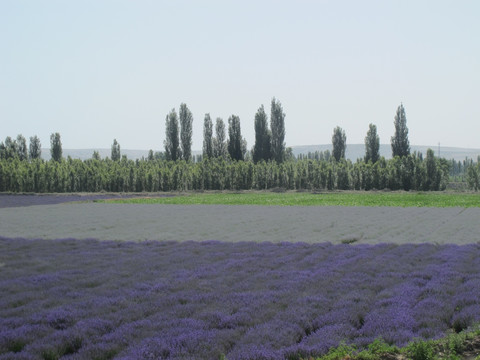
point(348, 198)
point(463, 345)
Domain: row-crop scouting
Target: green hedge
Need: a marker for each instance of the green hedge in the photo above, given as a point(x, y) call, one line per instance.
point(93, 175)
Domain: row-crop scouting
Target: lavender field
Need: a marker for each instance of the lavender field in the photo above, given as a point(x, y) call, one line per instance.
point(89, 299)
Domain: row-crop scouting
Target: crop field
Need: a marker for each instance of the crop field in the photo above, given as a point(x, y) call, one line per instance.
point(356, 198)
point(247, 301)
point(79, 281)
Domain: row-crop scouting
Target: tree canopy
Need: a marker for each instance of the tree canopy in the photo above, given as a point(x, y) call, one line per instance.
point(115, 152)
point(400, 142)
point(277, 124)
point(207, 137)
point(235, 140)
point(220, 142)
point(56, 151)
point(263, 137)
point(339, 142)
point(186, 123)
point(172, 143)
point(35, 148)
point(372, 145)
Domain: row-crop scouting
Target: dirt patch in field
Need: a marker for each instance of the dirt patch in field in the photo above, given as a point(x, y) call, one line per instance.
point(348, 225)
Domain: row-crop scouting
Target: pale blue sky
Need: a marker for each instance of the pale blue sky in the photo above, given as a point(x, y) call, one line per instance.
point(98, 70)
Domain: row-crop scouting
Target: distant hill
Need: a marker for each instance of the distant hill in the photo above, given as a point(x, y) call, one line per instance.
point(84, 154)
point(357, 151)
point(353, 152)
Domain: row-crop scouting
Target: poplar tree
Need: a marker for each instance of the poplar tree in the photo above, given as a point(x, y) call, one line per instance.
point(339, 142)
point(115, 153)
point(9, 148)
point(172, 143)
point(372, 145)
point(207, 137)
point(262, 147)
point(151, 155)
point(56, 147)
point(219, 142)
point(431, 182)
point(22, 149)
point(186, 122)
point(235, 141)
point(277, 124)
point(473, 176)
point(35, 148)
point(400, 143)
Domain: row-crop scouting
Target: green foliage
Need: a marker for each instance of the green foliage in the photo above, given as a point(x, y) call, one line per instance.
point(455, 343)
point(16, 345)
point(56, 147)
point(450, 347)
point(186, 122)
point(372, 145)
point(115, 153)
point(219, 142)
point(400, 142)
point(22, 150)
point(172, 143)
point(379, 346)
point(13, 149)
point(219, 173)
point(35, 148)
point(340, 352)
point(420, 350)
point(207, 137)
point(473, 176)
point(263, 137)
point(277, 125)
point(67, 348)
point(235, 140)
point(151, 155)
point(399, 199)
point(375, 351)
point(431, 179)
point(339, 142)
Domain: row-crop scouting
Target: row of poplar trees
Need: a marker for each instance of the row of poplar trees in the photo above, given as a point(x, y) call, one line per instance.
point(225, 165)
point(269, 141)
point(17, 148)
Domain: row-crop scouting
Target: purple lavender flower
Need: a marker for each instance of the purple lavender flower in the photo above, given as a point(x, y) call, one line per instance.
point(89, 299)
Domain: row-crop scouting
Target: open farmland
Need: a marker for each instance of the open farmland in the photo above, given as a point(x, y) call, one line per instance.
point(267, 282)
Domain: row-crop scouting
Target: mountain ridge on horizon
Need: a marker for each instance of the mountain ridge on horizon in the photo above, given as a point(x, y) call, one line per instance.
point(352, 152)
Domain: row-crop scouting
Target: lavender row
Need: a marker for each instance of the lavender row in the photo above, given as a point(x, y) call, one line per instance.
point(201, 300)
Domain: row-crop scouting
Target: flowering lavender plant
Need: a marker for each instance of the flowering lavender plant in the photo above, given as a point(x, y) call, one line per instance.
point(204, 300)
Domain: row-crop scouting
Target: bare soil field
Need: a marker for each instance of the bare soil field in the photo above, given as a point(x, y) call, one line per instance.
point(335, 224)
